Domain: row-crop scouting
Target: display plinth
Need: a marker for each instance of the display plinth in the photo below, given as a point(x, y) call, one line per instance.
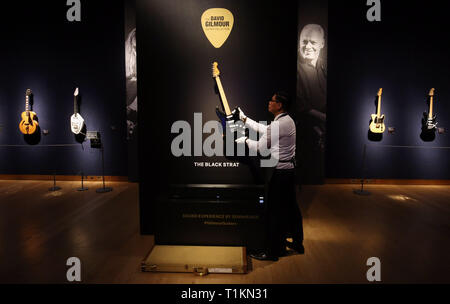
point(200, 260)
point(211, 215)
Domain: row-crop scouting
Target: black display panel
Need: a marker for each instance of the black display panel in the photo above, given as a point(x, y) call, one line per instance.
point(175, 80)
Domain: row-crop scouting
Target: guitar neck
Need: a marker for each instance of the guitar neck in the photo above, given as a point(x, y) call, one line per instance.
point(27, 104)
point(430, 113)
point(75, 105)
point(223, 97)
point(379, 106)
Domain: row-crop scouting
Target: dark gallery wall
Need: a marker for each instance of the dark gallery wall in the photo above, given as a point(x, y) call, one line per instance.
point(43, 51)
point(406, 54)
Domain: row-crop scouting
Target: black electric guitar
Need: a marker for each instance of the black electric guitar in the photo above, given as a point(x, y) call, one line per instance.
point(224, 117)
point(227, 118)
point(429, 120)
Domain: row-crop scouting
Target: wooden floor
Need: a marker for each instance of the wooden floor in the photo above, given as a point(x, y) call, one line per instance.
point(407, 227)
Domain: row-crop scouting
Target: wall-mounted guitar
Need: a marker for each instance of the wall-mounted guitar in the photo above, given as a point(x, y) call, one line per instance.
point(29, 123)
point(377, 124)
point(76, 121)
point(429, 120)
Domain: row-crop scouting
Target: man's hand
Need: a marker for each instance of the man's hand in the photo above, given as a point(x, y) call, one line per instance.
point(239, 114)
point(241, 140)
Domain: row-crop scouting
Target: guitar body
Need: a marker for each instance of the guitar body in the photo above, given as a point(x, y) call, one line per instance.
point(76, 123)
point(28, 124)
point(428, 123)
point(377, 124)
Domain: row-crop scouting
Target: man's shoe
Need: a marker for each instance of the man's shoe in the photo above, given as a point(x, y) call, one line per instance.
point(297, 246)
point(263, 257)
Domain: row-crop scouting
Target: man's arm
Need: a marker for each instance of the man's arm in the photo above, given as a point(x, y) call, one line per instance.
point(255, 126)
point(264, 142)
point(248, 122)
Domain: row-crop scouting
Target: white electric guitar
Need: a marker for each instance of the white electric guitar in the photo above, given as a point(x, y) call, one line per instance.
point(76, 121)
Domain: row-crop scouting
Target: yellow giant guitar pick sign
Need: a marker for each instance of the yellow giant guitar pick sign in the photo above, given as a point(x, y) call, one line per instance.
point(217, 24)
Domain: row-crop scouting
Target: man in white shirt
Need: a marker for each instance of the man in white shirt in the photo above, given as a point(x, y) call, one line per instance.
point(282, 214)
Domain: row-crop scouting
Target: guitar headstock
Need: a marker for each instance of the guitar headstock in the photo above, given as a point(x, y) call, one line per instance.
point(28, 93)
point(380, 91)
point(431, 94)
point(76, 92)
point(215, 70)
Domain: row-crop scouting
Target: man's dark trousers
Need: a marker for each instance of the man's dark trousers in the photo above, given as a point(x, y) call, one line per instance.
point(283, 215)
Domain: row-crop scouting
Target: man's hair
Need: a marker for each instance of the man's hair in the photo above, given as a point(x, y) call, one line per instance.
point(315, 28)
point(283, 98)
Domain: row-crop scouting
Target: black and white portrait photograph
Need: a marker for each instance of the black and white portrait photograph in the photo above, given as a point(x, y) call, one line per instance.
point(131, 78)
point(311, 102)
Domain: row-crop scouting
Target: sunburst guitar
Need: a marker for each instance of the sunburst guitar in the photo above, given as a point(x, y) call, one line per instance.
point(76, 121)
point(29, 124)
point(377, 123)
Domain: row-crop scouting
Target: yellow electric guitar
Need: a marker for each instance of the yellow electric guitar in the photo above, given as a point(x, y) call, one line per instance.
point(377, 123)
point(29, 123)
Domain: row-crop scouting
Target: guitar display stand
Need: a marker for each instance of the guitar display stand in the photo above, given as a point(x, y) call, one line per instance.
point(82, 188)
point(362, 191)
point(103, 189)
point(54, 188)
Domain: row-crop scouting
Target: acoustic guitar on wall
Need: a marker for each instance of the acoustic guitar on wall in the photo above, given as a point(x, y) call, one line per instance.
point(429, 120)
point(76, 121)
point(29, 123)
point(377, 122)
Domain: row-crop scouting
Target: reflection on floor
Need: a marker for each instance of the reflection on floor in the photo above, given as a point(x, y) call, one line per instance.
point(406, 227)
